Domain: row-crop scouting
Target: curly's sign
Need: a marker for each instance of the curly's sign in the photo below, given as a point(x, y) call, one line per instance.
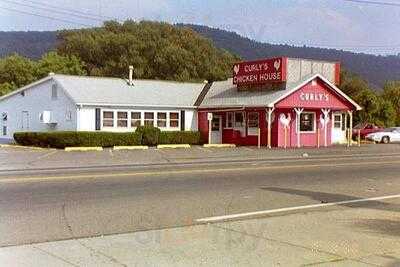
point(260, 71)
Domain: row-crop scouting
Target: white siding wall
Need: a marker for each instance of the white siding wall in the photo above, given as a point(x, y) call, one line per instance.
point(191, 120)
point(36, 100)
point(87, 118)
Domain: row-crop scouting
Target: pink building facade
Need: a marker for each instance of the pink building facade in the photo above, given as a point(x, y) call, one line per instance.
point(299, 110)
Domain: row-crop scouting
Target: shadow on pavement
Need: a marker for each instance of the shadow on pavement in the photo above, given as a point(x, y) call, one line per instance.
point(331, 197)
point(382, 226)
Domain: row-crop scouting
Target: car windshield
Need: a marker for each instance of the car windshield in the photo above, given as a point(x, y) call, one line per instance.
point(392, 130)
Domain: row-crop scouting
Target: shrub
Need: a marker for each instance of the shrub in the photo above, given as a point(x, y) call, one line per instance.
point(145, 135)
point(149, 135)
point(182, 137)
point(72, 139)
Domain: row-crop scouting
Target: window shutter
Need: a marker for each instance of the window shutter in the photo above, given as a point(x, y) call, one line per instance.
point(98, 119)
point(182, 120)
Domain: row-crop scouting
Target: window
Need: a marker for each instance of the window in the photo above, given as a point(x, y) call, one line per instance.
point(174, 119)
point(239, 119)
point(4, 130)
point(253, 120)
point(108, 119)
point(149, 119)
point(229, 120)
point(4, 116)
point(307, 122)
point(337, 121)
point(54, 92)
point(216, 123)
point(161, 119)
point(68, 116)
point(136, 119)
point(122, 119)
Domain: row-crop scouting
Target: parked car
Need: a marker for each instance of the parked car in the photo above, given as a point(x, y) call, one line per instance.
point(365, 129)
point(386, 136)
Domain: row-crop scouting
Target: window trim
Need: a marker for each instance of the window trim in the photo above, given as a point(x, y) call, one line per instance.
point(144, 117)
point(248, 120)
point(313, 123)
point(162, 120)
point(102, 119)
point(68, 115)
point(243, 121)
point(54, 91)
point(177, 120)
point(140, 120)
point(341, 121)
point(4, 116)
point(123, 119)
point(227, 121)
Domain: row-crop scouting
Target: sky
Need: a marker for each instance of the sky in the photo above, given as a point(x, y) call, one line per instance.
point(355, 25)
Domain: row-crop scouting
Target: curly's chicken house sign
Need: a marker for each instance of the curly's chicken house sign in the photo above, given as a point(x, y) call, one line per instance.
point(260, 71)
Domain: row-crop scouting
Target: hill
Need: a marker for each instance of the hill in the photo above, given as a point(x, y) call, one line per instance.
point(375, 69)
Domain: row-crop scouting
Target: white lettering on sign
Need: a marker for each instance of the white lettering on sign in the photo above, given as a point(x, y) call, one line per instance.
point(314, 97)
point(270, 76)
point(256, 67)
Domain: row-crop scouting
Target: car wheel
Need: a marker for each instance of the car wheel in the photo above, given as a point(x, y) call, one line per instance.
point(386, 140)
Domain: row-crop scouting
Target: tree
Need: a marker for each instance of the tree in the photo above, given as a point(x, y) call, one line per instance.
point(386, 115)
point(156, 50)
point(17, 70)
point(391, 93)
point(352, 84)
point(52, 62)
point(6, 88)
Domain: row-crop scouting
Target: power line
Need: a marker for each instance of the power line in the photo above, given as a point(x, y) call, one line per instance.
point(71, 9)
point(47, 17)
point(52, 10)
point(374, 2)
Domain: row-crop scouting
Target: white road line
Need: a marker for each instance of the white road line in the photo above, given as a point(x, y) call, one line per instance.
point(265, 212)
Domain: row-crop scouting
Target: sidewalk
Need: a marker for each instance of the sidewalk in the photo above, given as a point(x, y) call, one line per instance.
point(26, 158)
point(339, 236)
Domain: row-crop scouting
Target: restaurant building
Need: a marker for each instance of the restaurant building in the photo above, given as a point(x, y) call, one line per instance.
point(278, 102)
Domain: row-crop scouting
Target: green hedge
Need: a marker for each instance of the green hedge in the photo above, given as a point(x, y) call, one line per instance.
point(150, 136)
point(191, 138)
point(73, 139)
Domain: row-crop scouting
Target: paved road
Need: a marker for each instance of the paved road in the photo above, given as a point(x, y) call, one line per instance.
point(61, 204)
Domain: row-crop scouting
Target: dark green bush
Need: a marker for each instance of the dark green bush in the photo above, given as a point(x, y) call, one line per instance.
point(146, 135)
point(149, 135)
point(187, 137)
point(72, 139)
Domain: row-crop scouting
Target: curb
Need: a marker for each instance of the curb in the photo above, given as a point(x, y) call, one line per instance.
point(219, 145)
point(173, 146)
point(26, 147)
point(130, 147)
point(72, 149)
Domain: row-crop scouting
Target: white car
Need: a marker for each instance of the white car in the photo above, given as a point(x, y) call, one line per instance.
point(386, 136)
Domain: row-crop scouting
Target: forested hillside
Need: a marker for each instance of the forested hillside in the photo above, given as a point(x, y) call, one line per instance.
point(375, 69)
point(29, 44)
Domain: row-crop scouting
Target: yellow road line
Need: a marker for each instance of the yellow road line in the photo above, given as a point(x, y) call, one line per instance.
point(215, 170)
